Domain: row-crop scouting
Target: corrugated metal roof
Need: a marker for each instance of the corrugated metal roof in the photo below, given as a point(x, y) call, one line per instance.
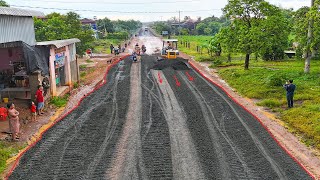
point(20, 12)
point(17, 28)
point(58, 43)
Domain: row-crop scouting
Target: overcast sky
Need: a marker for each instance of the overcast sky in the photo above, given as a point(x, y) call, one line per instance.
point(143, 10)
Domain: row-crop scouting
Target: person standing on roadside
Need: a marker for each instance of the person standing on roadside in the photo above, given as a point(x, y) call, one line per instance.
point(40, 100)
point(289, 87)
point(33, 110)
point(14, 123)
point(111, 48)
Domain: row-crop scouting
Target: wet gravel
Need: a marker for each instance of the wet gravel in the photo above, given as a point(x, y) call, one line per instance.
point(220, 139)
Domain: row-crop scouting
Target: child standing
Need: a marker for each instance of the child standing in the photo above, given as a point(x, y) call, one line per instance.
point(33, 109)
point(40, 100)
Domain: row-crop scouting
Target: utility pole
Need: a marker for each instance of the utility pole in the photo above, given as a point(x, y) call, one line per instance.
point(179, 22)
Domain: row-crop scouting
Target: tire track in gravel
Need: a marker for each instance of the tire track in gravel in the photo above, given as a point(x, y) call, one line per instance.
point(128, 161)
point(274, 165)
point(154, 129)
point(185, 161)
point(238, 170)
point(262, 155)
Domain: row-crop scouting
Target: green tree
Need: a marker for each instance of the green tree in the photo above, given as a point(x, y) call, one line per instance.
point(313, 39)
point(307, 31)
point(40, 27)
point(162, 26)
point(215, 27)
point(184, 31)
point(228, 39)
point(4, 4)
point(250, 21)
point(275, 29)
point(130, 26)
point(73, 23)
point(207, 31)
point(85, 35)
point(214, 47)
point(200, 28)
point(58, 27)
point(105, 25)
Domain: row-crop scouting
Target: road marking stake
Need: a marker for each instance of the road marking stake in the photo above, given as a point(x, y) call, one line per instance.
point(159, 76)
point(177, 81)
point(189, 76)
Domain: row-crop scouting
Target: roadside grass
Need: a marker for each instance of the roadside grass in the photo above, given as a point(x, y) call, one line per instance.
point(82, 67)
point(203, 55)
point(264, 81)
point(89, 61)
point(194, 42)
point(103, 45)
point(8, 150)
point(60, 101)
point(83, 74)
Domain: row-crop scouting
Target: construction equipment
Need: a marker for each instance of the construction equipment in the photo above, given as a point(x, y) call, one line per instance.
point(170, 49)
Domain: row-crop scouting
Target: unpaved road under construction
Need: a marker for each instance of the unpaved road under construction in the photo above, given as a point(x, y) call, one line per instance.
point(157, 120)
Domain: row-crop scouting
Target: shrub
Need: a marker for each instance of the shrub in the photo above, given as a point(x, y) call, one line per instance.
point(276, 80)
point(83, 74)
point(82, 66)
point(89, 61)
point(75, 85)
point(217, 62)
point(59, 101)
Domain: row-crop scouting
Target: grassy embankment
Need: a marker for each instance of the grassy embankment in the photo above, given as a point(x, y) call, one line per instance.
point(264, 80)
point(8, 150)
point(103, 45)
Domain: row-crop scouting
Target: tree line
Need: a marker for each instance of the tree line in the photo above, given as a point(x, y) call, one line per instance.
point(118, 29)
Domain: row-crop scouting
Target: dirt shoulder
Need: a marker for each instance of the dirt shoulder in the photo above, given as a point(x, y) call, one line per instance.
point(308, 157)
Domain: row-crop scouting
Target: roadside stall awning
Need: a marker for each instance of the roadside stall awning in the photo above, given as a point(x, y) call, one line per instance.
point(58, 43)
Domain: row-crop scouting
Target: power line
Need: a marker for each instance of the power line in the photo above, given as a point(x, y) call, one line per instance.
point(109, 11)
point(120, 3)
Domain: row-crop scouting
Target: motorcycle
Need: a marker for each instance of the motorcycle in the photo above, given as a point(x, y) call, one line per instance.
point(144, 49)
point(134, 57)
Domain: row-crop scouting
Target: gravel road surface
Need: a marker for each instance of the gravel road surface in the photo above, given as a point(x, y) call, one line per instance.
point(157, 120)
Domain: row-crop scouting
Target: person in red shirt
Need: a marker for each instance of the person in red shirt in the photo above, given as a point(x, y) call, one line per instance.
point(33, 110)
point(40, 100)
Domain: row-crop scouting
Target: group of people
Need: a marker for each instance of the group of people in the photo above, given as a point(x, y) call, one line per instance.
point(13, 114)
point(117, 50)
point(137, 51)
